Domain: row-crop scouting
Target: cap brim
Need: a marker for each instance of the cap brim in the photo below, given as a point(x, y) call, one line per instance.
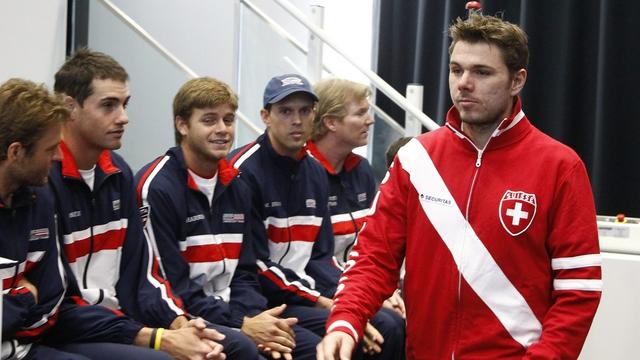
point(289, 92)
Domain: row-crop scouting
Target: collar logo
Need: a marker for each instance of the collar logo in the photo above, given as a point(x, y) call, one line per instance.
point(517, 210)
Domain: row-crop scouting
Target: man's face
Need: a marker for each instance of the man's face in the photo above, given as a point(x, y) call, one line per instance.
point(353, 129)
point(289, 123)
point(99, 122)
point(208, 134)
point(481, 87)
point(32, 169)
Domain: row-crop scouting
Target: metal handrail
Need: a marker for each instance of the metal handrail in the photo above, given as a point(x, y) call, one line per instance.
point(279, 29)
point(382, 85)
point(287, 36)
point(167, 54)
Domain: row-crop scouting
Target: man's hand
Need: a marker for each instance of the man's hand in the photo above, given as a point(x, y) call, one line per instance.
point(372, 340)
point(273, 335)
point(324, 302)
point(396, 303)
point(32, 288)
point(179, 322)
point(335, 346)
point(193, 342)
point(189, 343)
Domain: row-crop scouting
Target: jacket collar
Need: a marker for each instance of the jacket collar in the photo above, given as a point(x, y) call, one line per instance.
point(226, 172)
point(350, 162)
point(70, 168)
point(264, 140)
point(511, 129)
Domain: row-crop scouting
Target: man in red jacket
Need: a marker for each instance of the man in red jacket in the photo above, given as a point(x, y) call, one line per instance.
point(496, 220)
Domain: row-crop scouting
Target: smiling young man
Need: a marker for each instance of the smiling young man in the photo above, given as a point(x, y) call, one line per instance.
point(496, 220)
point(102, 238)
point(199, 216)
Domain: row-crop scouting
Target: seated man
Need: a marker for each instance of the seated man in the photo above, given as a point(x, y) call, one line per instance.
point(198, 214)
point(99, 218)
point(340, 125)
point(293, 239)
point(35, 311)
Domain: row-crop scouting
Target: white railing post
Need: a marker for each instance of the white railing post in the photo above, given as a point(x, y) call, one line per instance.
point(314, 56)
point(413, 126)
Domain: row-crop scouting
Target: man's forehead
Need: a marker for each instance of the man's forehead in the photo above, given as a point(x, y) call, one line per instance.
point(110, 88)
point(476, 54)
point(296, 99)
point(218, 109)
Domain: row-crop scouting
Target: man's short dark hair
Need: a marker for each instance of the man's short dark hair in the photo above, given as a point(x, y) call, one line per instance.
point(76, 75)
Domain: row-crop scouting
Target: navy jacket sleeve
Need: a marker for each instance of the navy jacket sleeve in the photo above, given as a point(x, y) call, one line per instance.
point(23, 318)
point(163, 228)
point(144, 294)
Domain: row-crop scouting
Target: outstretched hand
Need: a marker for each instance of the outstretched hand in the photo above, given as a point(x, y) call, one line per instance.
point(335, 346)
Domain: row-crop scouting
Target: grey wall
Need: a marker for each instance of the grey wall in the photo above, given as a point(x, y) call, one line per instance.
point(200, 34)
point(32, 39)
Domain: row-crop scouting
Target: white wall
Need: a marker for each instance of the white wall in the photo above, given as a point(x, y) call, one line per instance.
point(32, 39)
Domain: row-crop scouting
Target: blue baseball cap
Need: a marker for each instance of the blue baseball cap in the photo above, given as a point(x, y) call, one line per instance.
point(279, 87)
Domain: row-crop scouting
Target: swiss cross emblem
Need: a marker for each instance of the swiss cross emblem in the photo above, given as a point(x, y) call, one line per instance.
point(517, 210)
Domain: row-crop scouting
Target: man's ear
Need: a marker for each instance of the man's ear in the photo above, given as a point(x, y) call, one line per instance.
point(182, 125)
point(72, 105)
point(330, 122)
point(15, 151)
point(264, 115)
point(518, 81)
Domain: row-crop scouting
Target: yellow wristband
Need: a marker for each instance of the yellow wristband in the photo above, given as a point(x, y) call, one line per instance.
point(156, 346)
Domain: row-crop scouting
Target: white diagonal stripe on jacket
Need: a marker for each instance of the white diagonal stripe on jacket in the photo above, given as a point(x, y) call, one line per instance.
point(480, 271)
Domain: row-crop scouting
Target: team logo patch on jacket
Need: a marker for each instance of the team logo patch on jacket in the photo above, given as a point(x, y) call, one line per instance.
point(517, 210)
point(311, 203)
point(233, 218)
point(37, 234)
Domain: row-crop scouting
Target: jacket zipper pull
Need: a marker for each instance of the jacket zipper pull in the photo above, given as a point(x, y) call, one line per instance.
point(479, 159)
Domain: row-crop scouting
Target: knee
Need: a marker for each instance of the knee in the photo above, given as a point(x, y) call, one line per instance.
point(390, 324)
point(238, 346)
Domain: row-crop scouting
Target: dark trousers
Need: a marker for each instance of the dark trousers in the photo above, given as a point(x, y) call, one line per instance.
point(236, 344)
point(109, 351)
point(390, 325)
